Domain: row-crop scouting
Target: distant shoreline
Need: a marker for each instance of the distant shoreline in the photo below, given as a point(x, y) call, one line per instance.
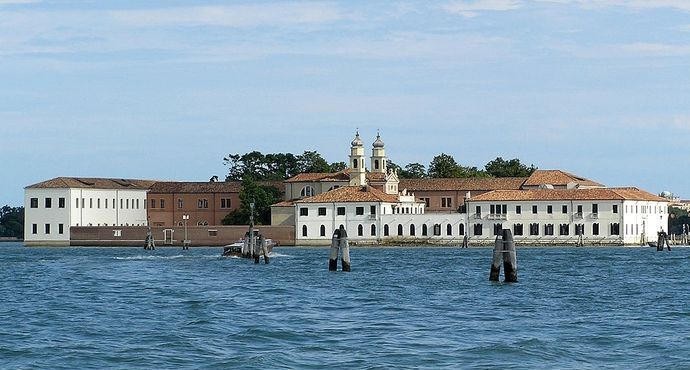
point(10, 239)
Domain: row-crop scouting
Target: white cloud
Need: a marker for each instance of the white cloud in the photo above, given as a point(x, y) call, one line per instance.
point(473, 8)
point(240, 16)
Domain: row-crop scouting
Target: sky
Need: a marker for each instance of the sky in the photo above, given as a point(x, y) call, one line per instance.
point(164, 90)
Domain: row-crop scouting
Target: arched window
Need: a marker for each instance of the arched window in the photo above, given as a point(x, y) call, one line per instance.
point(202, 223)
point(425, 230)
point(400, 230)
point(386, 230)
point(360, 230)
point(412, 230)
point(304, 230)
point(307, 191)
point(178, 224)
point(449, 230)
point(323, 230)
point(341, 226)
point(462, 229)
point(373, 230)
point(354, 163)
point(376, 164)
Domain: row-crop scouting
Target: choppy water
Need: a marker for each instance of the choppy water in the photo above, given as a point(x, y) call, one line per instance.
point(69, 308)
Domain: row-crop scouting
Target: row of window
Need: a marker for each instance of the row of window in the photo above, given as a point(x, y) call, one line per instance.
point(340, 211)
point(502, 209)
point(446, 202)
point(106, 203)
point(200, 203)
point(47, 202)
point(34, 229)
point(518, 229)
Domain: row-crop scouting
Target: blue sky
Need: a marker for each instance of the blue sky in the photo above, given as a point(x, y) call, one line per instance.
point(166, 89)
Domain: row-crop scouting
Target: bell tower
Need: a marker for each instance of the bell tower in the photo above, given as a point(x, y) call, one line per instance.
point(358, 171)
point(378, 156)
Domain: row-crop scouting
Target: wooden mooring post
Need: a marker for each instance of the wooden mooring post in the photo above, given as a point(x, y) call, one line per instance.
point(504, 250)
point(661, 240)
point(262, 249)
point(339, 244)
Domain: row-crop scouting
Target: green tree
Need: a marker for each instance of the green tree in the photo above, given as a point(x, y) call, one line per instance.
point(677, 217)
point(413, 171)
point(499, 167)
point(337, 166)
point(311, 162)
point(12, 221)
point(444, 166)
point(393, 167)
point(281, 166)
point(262, 197)
point(250, 164)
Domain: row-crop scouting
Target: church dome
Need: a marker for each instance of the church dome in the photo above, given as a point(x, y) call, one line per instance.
point(378, 143)
point(357, 141)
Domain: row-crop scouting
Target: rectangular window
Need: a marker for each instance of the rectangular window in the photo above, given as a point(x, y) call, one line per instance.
point(322, 211)
point(615, 208)
point(518, 210)
point(564, 209)
point(213, 233)
point(90, 202)
point(163, 204)
point(98, 203)
point(137, 203)
point(61, 202)
point(153, 203)
point(34, 202)
point(517, 229)
point(564, 229)
point(534, 229)
point(202, 203)
point(446, 202)
point(224, 203)
point(615, 229)
point(492, 209)
point(180, 203)
point(77, 202)
point(127, 203)
point(426, 201)
point(122, 203)
point(534, 210)
point(595, 229)
point(477, 229)
point(83, 203)
point(49, 202)
point(595, 208)
point(34, 227)
point(580, 229)
point(372, 210)
point(549, 209)
point(548, 229)
point(61, 229)
point(478, 210)
point(105, 204)
point(359, 211)
point(579, 209)
point(341, 211)
point(497, 229)
point(117, 233)
point(304, 211)
point(47, 228)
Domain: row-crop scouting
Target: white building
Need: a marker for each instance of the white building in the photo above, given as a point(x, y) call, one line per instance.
point(565, 216)
point(53, 206)
point(551, 207)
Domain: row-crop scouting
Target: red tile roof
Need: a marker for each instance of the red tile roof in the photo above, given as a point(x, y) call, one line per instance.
point(464, 184)
point(568, 194)
point(288, 203)
point(352, 194)
point(557, 178)
point(321, 176)
point(92, 183)
point(168, 187)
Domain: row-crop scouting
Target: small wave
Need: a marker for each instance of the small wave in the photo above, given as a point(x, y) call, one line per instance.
point(141, 258)
point(274, 254)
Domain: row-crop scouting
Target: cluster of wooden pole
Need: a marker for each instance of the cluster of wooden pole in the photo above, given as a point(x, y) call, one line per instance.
point(149, 243)
point(504, 250)
point(339, 244)
point(254, 246)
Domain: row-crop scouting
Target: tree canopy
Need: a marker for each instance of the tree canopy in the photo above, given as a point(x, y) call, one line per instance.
point(12, 222)
point(499, 167)
point(262, 197)
point(276, 166)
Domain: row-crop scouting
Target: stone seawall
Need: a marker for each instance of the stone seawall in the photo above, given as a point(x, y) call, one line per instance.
point(104, 236)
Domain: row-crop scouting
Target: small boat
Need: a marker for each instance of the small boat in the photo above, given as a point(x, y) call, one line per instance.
point(235, 249)
point(651, 244)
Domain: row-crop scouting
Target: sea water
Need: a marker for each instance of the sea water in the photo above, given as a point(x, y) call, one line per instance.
point(403, 308)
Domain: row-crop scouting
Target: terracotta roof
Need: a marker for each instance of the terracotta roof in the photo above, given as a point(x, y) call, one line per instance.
point(167, 187)
point(287, 203)
point(568, 194)
point(464, 184)
point(376, 177)
point(321, 176)
point(558, 178)
point(92, 183)
point(352, 194)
